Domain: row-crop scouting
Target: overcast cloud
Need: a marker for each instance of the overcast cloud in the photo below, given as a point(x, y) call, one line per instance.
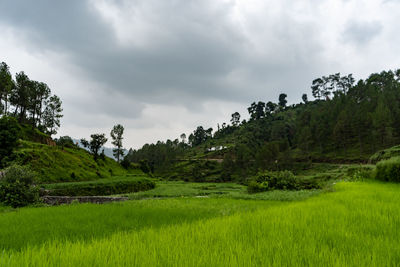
point(162, 68)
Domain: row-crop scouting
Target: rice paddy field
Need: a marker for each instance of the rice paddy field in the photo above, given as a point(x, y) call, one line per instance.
point(357, 224)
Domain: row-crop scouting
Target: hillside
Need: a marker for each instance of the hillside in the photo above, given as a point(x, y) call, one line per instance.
point(55, 164)
point(347, 122)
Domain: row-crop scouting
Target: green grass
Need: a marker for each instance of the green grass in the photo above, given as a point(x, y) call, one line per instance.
point(357, 225)
point(166, 189)
point(28, 227)
point(53, 164)
point(101, 187)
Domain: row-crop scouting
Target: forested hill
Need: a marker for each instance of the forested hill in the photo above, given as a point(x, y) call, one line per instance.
point(346, 121)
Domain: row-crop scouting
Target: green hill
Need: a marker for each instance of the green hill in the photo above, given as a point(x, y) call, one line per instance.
point(347, 122)
point(56, 164)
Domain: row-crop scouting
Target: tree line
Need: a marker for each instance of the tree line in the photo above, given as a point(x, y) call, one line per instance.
point(29, 101)
point(346, 120)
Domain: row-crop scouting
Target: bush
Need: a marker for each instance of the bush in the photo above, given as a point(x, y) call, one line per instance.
point(17, 187)
point(65, 141)
point(101, 188)
point(125, 163)
point(282, 180)
point(385, 154)
point(388, 170)
point(360, 173)
point(255, 187)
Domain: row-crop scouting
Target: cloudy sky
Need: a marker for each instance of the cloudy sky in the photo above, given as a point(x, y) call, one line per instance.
point(162, 68)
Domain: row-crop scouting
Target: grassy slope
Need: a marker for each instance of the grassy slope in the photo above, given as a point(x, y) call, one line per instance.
point(355, 226)
point(54, 164)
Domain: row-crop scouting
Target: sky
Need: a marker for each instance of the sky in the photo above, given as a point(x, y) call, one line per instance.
point(162, 68)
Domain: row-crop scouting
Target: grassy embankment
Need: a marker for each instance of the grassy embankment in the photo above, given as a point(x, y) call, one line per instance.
point(101, 187)
point(56, 164)
point(356, 225)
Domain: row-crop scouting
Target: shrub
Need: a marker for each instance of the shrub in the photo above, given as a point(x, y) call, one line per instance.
point(385, 154)
point(360, 173)
point(255, 187)
point(65, 141)
point(282, 180)
point(17, 187)
point(101, 188)
point(388, 170)
point(125, 163)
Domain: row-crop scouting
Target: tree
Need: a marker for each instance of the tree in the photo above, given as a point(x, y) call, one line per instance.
point(20, 95)
point(235, 119)
point(9, 132)
point(343, 129)
point(209, 133)
point(228, 165)
point(183, 138)
point(52, 115)
point(199, 136)
point(84, 143)
point(270, 107)
point(282, 100)
point(304, 98)
point(41, 96)
point(256, 110)
point(116, 135)
point(382, 120)
point(191, 140)
point(305, 139)
point(6, 85)
point(65, 141)
point(260, 110)
point(316, 88)
point(98, 140)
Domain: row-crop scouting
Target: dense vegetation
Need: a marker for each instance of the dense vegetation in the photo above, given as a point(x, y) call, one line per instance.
point(388, 170)
point(282, 180)
point(29, 101)
point(347, 122)
point(17, 187)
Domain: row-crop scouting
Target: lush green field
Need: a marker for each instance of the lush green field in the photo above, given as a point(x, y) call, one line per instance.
point(35, 226)
point(357, 225)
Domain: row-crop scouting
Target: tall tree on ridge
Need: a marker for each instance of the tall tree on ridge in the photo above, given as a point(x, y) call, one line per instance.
point(116, 135)
point(52, 114)
point(282, 101)
point(235, 119)
point(97, 141)
point(20, 95)
point(6, 85)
